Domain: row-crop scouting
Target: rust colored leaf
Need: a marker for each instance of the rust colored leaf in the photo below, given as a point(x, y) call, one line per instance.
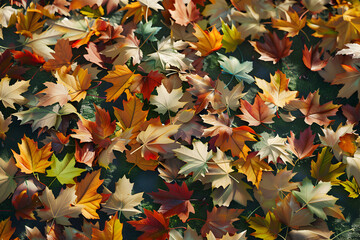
point(312, 58)
point(302, 147)
point(256, 114)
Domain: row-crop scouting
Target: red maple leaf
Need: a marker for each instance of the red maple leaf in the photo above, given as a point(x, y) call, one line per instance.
point(175, 201)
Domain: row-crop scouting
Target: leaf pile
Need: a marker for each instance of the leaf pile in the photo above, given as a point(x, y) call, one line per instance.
point(177, 119)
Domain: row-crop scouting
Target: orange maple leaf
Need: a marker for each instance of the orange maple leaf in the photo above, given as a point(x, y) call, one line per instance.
point(293, 24)
point(226, 137)
point(256, 114)
point(313, 111)
point(302, 147)
point(121, 78)
point(32, 159)
point(62, 56)
point(208, 41)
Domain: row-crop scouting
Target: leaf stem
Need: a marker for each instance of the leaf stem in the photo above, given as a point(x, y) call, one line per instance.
point(197, 219)
point(52, 182)
point(253, 212)
point(348, 230)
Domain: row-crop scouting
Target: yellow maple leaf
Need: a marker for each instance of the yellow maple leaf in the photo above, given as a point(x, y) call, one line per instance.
point(277, 91)
point(208, 41)
point(29, 23)
point(32, 159)
point(293, 24)
point(231, 38)
point(135, 9)
point(121, 78)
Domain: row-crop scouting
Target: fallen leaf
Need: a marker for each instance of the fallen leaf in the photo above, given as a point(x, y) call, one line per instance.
point(32, 159)
point(54, 93)
point(123, 200)
point(154, 226)
point(258, 113)
point(10, 94)
point(293, 24)
point(302, 147)
point(265, 228)
point(231, 38)
point(176, 201)
point(6, 230)
point(112, 230)
point(64, 171)
point(60, 209)
point(273, 49)
point(88, 199)
point(7, 181)
point(61, 57)
point(219, 221)
point(250, 22)
point(277, 91)
point(184, 15)
point(238, 70)
point(208, 41)
point(312, 58)
point(166, 101)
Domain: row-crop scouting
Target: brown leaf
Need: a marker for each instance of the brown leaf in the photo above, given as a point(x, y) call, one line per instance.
point(258, 113)
point(312, 58)
point(302, 147)
point(62, 56)
point(273, 49)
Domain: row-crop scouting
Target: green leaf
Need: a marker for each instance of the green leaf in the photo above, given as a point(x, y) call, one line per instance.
point(238, 70)
point(315, 198)
point(147, 31)
point(64, 170)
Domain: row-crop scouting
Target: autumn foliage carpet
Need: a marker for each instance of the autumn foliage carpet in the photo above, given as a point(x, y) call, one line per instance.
point(179, 119)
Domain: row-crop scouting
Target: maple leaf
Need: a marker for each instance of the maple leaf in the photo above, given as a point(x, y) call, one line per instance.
point(347, 26)
point(196, 159)
point(78, 4)
point(302, 147)
point(123, 200)
point(351, 80)
point(174, 202)
point(64, 170)
point(135, 9)
point(325, 171)
point(237, 191)
point(7, 182)
point(132, 116)
point(317, 230)
point(58, 6)
point(54, 93)
point(4, 125)
point(258, 113)
point(167, 101)
point(97, 132)
point(148, 31)
point(167, 56)
point(216, 11)
point(331, 138)
point(40, 41)
point(61, 57)
point(265, 228)
point(27, 57)
point(231, 38)
point(87, 197)
point(32, 159)
point(77, 83)
point(138, 160)
point(289, 212)
point(184, 15)
point(293, 24)
point(238, 70)
point(312, 58)
point(28, 23)
point(228, 138)
point(273, 49)
point(206, 91)
point(121, 78)
point(315, 198)
point(352, 49)
point(219, 221)
point(273, 148)
point(154, 226)
point(208, 41)
point(156, 139)
point(351, 187)
point(219, 170)
point(112, 230)
point(348, 143)
point(229, 98)
point(277, 91)
point(147, 84)
point(313, 111)
point(272, 186)
point(59, 209)
point(152, 4)
point(250, 23)
point(6, 230)
point(253, 168)
point(125, 49)
point(10, 94)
